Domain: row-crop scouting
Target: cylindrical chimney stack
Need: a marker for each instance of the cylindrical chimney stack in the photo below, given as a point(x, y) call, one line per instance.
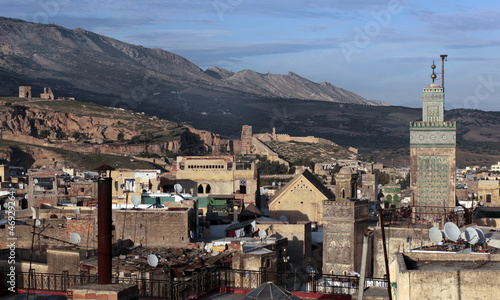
point(104, 234)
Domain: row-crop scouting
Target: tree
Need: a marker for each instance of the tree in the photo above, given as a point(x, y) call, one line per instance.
point(43, 134)
point(120, 136)
point(383, 177)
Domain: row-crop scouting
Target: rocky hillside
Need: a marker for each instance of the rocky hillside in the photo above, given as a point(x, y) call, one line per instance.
point(96, 68)
point(57, 127)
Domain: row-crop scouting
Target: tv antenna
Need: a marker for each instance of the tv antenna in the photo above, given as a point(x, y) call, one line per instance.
point(444, 57)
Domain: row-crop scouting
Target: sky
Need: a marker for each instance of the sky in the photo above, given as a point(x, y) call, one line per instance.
point(379, 49)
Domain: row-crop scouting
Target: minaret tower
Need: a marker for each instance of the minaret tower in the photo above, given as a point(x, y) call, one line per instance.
point(433, 154)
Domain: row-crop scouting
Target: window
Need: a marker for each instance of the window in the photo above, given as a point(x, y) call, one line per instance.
point(200, 189)
point(208, 189)
point(488, 198)
point(181, 165)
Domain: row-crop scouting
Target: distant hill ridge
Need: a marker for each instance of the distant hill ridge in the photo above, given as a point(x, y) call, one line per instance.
point(85, 63)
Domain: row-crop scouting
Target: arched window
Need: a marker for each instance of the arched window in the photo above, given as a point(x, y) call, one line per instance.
point(389, 199)
point(343, 193)
point(200, 189)
point(208, 189)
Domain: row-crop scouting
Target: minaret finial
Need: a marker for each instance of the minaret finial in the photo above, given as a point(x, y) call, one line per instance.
point(433, 75)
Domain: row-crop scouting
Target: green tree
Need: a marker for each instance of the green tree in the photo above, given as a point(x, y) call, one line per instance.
point(43, 134)
point(383, 177)
point(120, 136)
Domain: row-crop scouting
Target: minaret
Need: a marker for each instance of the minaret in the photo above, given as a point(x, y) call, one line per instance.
point(433, 154)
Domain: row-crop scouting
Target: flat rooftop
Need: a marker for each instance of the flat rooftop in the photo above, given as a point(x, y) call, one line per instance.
point(457, 266)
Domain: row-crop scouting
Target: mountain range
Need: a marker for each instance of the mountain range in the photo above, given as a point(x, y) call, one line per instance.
point(76, 60)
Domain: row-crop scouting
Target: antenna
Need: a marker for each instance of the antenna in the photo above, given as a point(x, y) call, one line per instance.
point(135, 200)
point(75, 238)
point(283, 219)
point(152, 260)
point(178, 188)
point(443, 58)
point(471, 235)
point(452, 231)
point(435, 235)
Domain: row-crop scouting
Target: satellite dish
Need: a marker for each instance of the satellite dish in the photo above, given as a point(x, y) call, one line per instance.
point(283, 219)
point(38, 189)
point(35, 181)
point(471, 236)
point(152, 260)
point(38, 223)
point(73, 200)
point(475, 195)
point(178, 188)
point(5, 205)
point(452, 231)
point(135, 200)
point(435, 235)
point(262, 234)
point(481, 236)
point(77, 211)
point(75, 238)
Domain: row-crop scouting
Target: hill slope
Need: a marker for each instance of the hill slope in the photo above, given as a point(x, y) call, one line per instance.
point(72, 61)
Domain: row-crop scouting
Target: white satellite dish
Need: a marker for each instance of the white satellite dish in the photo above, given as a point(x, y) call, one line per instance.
point(152, 260)
point(435, 235)
point(6, 205)
point(38, 223)
point(481, 236)
point(33, 209)
point(452, 231)
point(35, 181)
point(262, 234)
point(178, 188)
point(77, 211)
point(73, 200)
point(135, 200)
point(75, 238)
point(38, 189)
point(471, 236)
point(283, 219)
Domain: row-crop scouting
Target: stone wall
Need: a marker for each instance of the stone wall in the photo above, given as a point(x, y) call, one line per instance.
point(154, 228)
point(397, 242)
point(478, 279)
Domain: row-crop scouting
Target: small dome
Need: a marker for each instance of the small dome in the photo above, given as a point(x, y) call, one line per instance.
point(433, 85)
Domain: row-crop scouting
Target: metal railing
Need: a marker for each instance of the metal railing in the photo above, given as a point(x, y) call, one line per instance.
point(202, 281)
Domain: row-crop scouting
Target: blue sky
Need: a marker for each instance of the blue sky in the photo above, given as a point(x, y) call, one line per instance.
point(380, 49)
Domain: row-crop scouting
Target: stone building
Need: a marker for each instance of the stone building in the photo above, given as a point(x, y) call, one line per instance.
point(246, 139)
point(218, 175)
point(300, 199)
point(156, 227)
point(4, 173)
point(344, 224)
point(133, 182)
point(47, 94)
point(42, 187)
point(25, 92)
point(489, 192)
point(392, 190)
point(433, 154)
point(370, 186)
point(446, 276)
point(346, 187)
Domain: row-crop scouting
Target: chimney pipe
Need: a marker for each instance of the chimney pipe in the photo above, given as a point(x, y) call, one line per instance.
point(104, 219)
